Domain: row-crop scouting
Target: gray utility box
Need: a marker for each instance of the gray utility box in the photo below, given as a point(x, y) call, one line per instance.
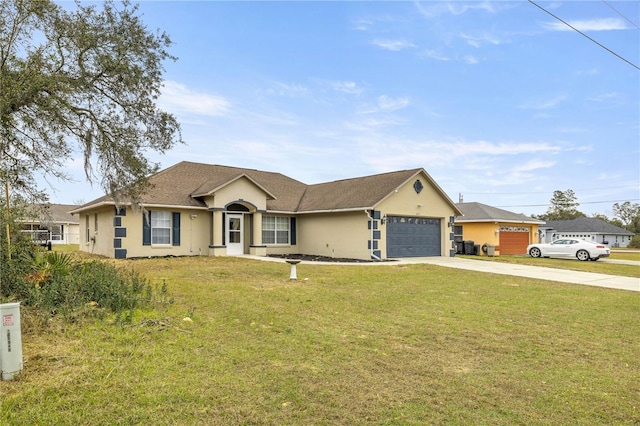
point(10, 340)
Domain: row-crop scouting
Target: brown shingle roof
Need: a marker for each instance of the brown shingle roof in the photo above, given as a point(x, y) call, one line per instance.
point(362, 192)
point(55, 213)
point(178, 184)
point(184, 184)
point(478, 212)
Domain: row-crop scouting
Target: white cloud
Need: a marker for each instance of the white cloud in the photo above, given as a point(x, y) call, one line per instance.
point(433, 9)
point(492, 148)
point(285, 89)
point(386, 103)
point(348, 87)
point(610, 176)
point(606, 24)
point(511, 178)
point(179, 99)
point(458, 8)
point(278, 118)
point(532, 165)
point(393, 45)
point(606, 97)
point(571, 130)
point(589, 72)
point(373, 124)
point(362, 24)
point(479, 40)
point(544, 104)
point(470, 59)
point(481, 156)
point(438, 56)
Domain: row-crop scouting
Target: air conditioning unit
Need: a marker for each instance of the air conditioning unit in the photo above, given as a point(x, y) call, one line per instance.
point(10, 340)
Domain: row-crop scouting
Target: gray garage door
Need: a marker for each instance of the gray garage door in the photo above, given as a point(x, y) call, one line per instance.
point(413, 237)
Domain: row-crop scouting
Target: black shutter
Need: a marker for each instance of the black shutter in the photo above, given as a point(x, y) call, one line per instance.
point(176, 229)
point(293, 231)
point(146, 229)
point(224, 228)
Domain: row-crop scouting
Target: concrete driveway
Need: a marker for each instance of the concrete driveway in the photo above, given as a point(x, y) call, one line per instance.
point(539, 272)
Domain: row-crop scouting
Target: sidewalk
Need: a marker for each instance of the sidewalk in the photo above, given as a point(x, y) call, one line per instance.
point(538, 272)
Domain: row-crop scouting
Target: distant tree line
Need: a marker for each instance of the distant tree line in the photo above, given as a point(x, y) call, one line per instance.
point(564, 206)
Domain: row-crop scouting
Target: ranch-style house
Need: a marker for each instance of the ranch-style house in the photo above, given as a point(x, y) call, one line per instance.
point(201, 209)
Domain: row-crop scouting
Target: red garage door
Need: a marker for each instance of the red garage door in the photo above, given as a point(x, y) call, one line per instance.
point(514, 242)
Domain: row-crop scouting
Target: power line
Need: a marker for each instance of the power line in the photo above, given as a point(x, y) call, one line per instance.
point(547, 192)
point(580, 32)
point(618, 12)
point(587, 202)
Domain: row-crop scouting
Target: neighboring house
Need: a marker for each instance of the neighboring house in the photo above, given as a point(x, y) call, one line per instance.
point(509, 233)
point(586, 228)
point(52, 222)
point(202, 209)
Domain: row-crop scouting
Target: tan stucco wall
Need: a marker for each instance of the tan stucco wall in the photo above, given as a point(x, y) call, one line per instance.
point(428, 203)
point(488, 232)
point(72, 233)
point(194, 233)
point(241, 189)
point(334, 235)
point(481, 233)
point(100, 236)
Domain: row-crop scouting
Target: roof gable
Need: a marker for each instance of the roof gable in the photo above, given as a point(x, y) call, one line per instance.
point(184, 184)
point(208, 187)
point(350, 194)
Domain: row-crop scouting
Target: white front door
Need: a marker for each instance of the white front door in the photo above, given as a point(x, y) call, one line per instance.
point(234, 228)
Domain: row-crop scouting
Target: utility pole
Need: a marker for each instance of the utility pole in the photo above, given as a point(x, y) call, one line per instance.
point(6, 190)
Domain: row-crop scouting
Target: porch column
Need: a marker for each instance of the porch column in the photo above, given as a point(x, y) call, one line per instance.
point(217, 228)
point(217, 248)
point(257, 248)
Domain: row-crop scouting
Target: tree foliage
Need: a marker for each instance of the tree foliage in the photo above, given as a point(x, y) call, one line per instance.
point(81, 79)
point(629, 214)
point(564, 206)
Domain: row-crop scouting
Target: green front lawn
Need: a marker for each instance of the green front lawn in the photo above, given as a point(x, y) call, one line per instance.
point(626, 254)
point(415, 344)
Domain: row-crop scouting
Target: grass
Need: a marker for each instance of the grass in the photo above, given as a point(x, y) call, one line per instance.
point(626, 254)
point(66, 247)
point(415, 344)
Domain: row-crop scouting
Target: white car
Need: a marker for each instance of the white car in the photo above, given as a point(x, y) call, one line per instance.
point(569, 248)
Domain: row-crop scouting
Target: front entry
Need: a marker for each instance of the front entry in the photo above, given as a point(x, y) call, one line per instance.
point(235, 240)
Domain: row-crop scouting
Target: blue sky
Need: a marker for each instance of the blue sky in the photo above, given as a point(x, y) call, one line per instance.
point(498, 101)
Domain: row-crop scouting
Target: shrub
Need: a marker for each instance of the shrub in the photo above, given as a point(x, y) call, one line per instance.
point(107, 286)
point(55, 283)
point(635, 241)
